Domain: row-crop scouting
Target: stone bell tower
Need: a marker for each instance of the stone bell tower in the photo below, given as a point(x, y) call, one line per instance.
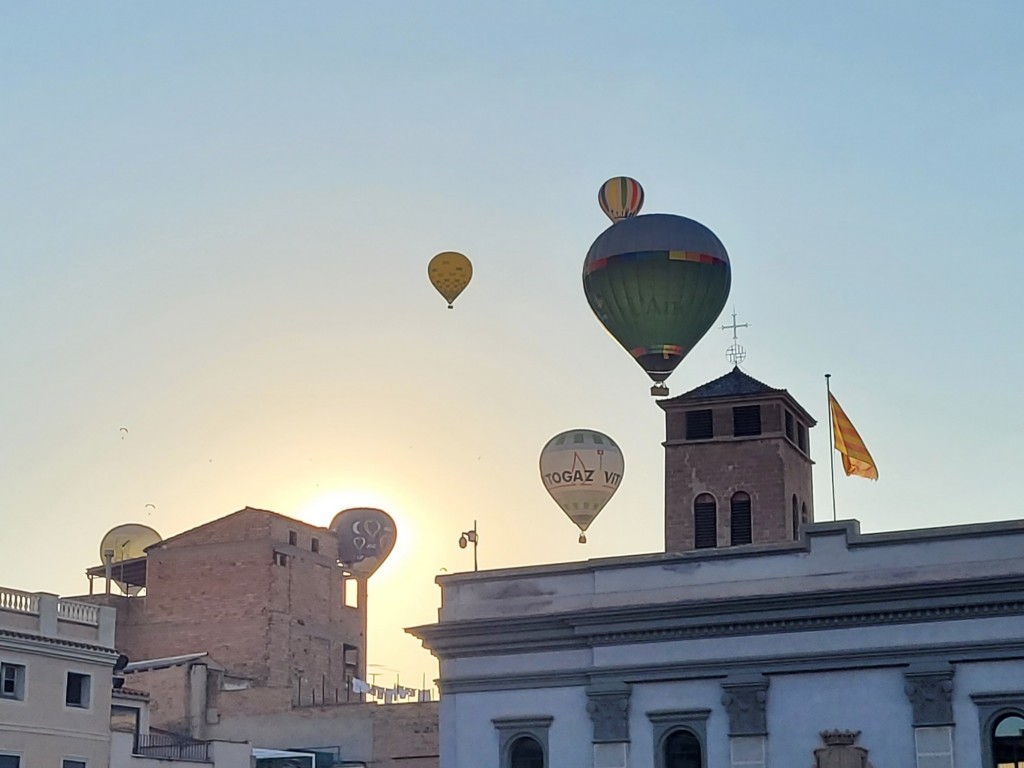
point(737, 465)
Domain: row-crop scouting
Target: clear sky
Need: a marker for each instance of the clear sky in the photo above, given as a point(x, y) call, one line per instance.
point(215, 220)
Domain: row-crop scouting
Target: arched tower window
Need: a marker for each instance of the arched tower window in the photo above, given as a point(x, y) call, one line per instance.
point(796, 519)
point(682, 750)
point(803, 514)
point(705, 522)
point(741, 531)
point(526, 752)
point(1008, 742)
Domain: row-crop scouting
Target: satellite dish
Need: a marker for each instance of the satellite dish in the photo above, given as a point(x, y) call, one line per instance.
point(366, 537)
point(127, 542)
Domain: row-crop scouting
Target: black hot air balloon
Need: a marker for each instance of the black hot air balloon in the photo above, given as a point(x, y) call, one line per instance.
point(657, 283)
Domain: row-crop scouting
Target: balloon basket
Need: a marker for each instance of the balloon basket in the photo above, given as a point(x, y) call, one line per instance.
point(659, 390)
point(450, 306)
point(583, 538)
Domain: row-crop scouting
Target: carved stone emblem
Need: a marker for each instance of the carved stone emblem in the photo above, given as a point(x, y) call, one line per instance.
point(745, 703)
point(841, 751)
point(609, 709)
point(931, 695)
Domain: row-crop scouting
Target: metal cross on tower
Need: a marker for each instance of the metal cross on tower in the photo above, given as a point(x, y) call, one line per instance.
point(735, 354)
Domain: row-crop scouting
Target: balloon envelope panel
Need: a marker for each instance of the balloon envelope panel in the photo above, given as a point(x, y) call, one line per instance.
point(657, 283)
point(450, 273)
point(365, 536)
point(581, 469)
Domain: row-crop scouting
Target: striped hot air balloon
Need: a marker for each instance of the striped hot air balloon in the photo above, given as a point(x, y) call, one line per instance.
point(657, 283)
point(621, 198)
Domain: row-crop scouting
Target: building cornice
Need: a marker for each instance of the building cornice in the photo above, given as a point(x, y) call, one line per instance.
point(753, 615)
point(56, 647)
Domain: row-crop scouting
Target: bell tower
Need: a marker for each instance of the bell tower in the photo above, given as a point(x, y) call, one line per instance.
point(737, 465)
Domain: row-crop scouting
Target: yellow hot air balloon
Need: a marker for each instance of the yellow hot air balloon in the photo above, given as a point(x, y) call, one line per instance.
point(450, 273)
point(621, 198)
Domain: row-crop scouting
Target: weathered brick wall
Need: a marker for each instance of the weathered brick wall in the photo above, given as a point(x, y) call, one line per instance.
point(406, 735)
point(168, 693)
point(769, 468)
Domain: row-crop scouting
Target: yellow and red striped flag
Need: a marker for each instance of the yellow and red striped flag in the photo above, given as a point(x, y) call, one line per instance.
point(856, 459)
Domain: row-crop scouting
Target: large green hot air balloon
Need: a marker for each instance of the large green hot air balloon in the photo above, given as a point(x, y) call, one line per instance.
point(657, 283)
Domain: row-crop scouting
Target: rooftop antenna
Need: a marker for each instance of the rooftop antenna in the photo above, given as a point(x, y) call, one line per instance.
point(735, 354)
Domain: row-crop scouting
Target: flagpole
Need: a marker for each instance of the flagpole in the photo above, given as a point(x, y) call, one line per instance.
point(831, 444)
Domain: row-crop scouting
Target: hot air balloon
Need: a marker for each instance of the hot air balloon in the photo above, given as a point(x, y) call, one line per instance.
point(581, 469)
point(657, 283)
point(621, 198)
point(366, 537)
point(450, 273)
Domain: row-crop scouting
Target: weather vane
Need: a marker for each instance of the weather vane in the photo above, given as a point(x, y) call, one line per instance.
point(735, 354)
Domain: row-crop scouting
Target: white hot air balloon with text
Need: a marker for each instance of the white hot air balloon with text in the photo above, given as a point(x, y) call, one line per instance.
point(581, 469)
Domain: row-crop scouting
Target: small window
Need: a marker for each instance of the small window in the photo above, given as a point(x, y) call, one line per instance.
point(10, 761)
point(739, 519)
point(682, 750)
point(350, 592)
point(314, 544)
point(746, 420)
point(73, 764)
point(699, 425)
point(705, 522)
point(77, 692)
point(293, 538)
point(12, 681)
point(1008, 742)
point(280, 558)
point(801, 437)
point(796, 519)
point(789, 426)
point(526, 753)
point(803, 514)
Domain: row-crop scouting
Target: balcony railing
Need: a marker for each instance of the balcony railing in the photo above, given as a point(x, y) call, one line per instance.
point(171, 747)
point(82, 613)
point(18, 601)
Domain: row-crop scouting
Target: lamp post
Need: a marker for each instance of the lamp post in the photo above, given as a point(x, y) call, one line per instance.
point(466, 538)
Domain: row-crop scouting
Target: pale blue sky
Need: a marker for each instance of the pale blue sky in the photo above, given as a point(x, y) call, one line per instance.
point(215, 221)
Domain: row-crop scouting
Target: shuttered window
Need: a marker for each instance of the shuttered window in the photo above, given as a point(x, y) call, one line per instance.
point(746, 420)
point(739, 519)
point(705, 522)
point(699, 425)
point(789, 426)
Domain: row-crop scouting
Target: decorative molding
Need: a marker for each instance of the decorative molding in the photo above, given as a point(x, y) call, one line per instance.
point(992, 707)
point(840, 751)
point(745, 704)
point(609, 710)
point(931, 696)
point(513, 728)
point(802, 663)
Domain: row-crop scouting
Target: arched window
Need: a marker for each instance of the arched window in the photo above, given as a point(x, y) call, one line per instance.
point(796, 519)
point(705, 522)
point(803, 514)
point(739, 519)
point(682, 750)
point(1008, 742)
point(526, 753)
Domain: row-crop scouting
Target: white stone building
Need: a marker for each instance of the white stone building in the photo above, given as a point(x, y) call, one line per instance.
point(56, 663)
point(790, 645)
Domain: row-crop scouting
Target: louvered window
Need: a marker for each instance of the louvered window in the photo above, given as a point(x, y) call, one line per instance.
point(699, 425)
point(705, 522)
point(789, 426)
point(801, 437)
point(746, 420)
point(739, 519)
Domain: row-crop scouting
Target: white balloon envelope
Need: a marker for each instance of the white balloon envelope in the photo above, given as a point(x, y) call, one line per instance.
point(581, 469)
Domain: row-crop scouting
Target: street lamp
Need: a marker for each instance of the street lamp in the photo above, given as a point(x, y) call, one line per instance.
point(466, 538)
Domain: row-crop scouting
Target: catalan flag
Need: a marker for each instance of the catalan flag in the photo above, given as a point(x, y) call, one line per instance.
point(856, 459)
